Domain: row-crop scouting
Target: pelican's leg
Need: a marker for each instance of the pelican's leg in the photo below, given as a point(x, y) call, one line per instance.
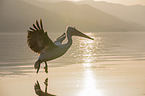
point(46, 68)
point(37, 65)
point(46, 84)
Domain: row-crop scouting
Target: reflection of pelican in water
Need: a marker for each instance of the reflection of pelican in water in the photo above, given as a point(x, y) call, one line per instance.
point(38, 90)
point(39, 42)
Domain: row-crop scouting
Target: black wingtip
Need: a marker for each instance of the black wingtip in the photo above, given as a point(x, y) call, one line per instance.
point(32, 29)
point(35, 27)
point(41, 24)
point(37, 24)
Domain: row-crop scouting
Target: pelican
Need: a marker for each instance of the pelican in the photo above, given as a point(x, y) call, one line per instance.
point(39, 42)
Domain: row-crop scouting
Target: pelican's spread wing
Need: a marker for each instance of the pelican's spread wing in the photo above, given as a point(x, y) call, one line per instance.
point(60, 39)
point(37, 39)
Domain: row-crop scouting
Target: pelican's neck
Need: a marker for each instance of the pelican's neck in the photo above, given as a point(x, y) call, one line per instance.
point(69, 38)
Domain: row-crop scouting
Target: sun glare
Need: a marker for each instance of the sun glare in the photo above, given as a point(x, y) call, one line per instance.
point(90, 85)
point(90, 82)
point(105, 0)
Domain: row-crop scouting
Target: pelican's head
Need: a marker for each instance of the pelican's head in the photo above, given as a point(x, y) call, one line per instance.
point(75, 32)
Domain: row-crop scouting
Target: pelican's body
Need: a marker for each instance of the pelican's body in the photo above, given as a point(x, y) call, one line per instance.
point(55, 53)
point(39, 42)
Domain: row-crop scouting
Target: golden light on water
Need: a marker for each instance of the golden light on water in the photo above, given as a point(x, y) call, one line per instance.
point(90, 84)
point(89, 81)
point(87, 51)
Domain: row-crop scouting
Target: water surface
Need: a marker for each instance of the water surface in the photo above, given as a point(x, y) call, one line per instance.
point(17, 58)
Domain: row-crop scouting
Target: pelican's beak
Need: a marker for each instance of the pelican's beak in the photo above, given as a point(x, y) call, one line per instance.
point(78, 33)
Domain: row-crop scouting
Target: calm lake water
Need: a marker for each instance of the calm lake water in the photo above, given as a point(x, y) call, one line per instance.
point(17, 58)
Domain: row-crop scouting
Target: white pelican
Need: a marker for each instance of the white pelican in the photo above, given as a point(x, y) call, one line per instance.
point(40, 43)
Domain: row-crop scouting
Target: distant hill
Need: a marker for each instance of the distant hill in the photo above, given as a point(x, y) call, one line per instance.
point(134, 13)
point(19, 15)
point(101, 21)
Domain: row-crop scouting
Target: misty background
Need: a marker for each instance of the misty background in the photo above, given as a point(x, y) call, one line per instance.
point(114, 27)
point(18, 16)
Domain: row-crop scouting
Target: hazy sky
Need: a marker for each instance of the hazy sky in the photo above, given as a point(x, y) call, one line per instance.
point(125, 2)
